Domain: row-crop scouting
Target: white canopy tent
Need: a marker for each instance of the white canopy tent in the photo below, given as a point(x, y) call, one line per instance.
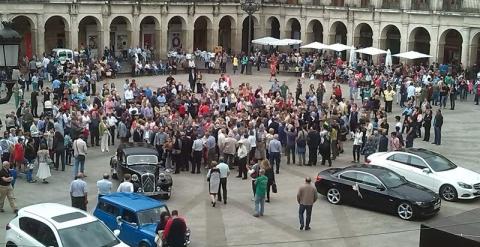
point(338, 47)
point(352, 57)
point(411, 55)
point(265, 41)
point(371, 51)
point(315, 45)
point(286, 42)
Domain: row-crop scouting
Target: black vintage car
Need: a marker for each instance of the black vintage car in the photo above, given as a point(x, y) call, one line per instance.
point(377, 188)
point(141, 161)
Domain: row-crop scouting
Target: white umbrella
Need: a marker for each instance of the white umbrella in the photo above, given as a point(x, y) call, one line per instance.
point(371, 51)
point(412, 55)
point(265, 41)
point(388, 59)
point(314, 45)
point(352, 56)
point(286, 42)
point(338, 47)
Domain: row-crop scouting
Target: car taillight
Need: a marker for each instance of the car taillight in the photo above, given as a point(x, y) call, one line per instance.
point(7, 227)
point(319, 178)
point(367, 161)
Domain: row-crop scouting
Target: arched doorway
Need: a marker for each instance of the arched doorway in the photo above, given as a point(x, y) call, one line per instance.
point(338, 33)
point(245, 29)
point(273, 27)
point(450, 47)
point(475, 50)
point(315, 31)
point(56, 33)
point(225, 32)
point(363, 36)
point(120, 36)
point(24, 25)
point(293, 29)
point(89, 37)
point(419, 41)
point(176, 33)
point(201, 34)
point(390, 39)
point(148, 34)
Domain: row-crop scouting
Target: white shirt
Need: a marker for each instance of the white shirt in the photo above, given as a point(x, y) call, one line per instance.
point(125, 187)
point(214, 86)
point(224, 170)
point(128, 94)
point(111, 121)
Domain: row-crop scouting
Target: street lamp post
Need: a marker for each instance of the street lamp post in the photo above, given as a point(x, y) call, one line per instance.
point(9, 46)
point(250, 7)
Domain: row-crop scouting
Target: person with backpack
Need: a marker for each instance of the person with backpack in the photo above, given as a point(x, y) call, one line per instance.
point(301, 145)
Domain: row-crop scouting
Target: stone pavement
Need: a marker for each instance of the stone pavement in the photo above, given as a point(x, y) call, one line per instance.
point(233, 224)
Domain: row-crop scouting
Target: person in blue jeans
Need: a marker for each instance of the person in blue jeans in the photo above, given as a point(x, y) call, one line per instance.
point(274, 149)
point(79, 152)
point(306, 197)
point(260, 191)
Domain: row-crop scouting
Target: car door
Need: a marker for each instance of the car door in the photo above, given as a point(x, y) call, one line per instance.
point(129, 230)
point(346, 182)
point(421, 177)
point(107, 213)
point(373, 193)
point(399, 163)
point(37, 233)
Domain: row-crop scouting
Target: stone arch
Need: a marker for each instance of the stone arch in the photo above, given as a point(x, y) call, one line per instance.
point(26, 27)
point(120, 35)
point(177, 26)
point(419, 41)
point(149, 33)
point(293, 29)
point(202, 33)
point(90, 36)
point(450, 46)
point(226, 32)
point(314, 31)
point(272, 27)
point(475, 49)
point(363, 35)
point(245, 28)
point(57, 32)
point(390, 38)
point(338, 33)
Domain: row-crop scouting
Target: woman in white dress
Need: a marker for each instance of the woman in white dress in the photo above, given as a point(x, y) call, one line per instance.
point(213, 178)
point(42, 162)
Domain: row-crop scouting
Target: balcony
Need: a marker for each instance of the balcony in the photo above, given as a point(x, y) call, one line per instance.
point(391, 4)
point(337, 3)
point(452, 5)
point(420, 5)
point(365, 4)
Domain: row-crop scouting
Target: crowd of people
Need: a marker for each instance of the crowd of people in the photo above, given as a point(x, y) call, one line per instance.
point(219, 126)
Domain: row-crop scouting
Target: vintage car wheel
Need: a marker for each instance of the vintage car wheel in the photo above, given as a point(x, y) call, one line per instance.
point(143, 244)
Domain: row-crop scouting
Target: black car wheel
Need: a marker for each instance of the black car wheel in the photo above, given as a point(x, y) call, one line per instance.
point(143, 244)
point(405, 211)
point(334, 196)
point(448, 193)
point(10, 244)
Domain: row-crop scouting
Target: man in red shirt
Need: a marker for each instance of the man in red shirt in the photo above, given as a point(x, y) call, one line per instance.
point(175, 230)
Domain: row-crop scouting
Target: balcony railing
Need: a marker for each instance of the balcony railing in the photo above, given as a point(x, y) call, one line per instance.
point(452, 5)
point(337, 3)
point(391, 4)
point(420, 5)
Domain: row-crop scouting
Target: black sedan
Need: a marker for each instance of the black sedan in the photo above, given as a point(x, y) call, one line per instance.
point(377, 188)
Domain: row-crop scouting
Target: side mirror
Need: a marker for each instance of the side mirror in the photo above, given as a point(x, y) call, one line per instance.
point(426, 170)
point(380, 188)
point(116, 232)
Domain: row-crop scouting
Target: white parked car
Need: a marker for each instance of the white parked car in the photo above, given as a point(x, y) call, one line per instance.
point(52, 224)
point(431, 170)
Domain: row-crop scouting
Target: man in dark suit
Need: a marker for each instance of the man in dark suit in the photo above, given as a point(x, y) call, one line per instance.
point(192, 78)
point(313, 140)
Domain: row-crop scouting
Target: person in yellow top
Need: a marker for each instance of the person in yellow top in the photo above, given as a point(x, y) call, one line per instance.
point(235, 64)
point(388, 95)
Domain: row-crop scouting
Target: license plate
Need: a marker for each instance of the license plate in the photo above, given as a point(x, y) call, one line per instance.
point(436, 206)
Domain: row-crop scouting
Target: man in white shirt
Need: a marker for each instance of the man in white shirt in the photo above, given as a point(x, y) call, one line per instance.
point(214, 86)
point(224, 173)
point(128, 94)
point(126, 185)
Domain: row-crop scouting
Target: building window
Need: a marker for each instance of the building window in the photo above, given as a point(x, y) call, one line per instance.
point(338, 3)
point(365, 3)
point(391, 4)
point(452, 5)
point(420, 4)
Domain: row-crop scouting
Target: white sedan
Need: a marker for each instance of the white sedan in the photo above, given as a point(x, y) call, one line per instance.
point(431, 170)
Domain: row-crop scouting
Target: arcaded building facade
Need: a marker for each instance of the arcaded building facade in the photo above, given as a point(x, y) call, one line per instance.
point(449, 30)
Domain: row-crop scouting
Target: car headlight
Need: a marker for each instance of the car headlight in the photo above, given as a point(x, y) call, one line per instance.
point(140, 190)
point(421, 203)
point(464, 185)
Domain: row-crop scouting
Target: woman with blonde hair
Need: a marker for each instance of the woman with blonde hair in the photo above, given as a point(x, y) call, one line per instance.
point(265, 165)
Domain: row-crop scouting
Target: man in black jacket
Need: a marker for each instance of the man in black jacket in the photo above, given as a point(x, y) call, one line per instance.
point(94, 130)
point(313, 140)
point(437, 127)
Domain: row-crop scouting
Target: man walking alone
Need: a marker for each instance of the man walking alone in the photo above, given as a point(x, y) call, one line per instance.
point(224, 172)
point(306, 196)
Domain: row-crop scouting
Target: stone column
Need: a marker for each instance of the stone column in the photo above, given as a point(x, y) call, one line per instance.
point(376, 35)
point(435, 45)
point(235, 40)
point(404, 38)
point(188, 38)
point(40, 40)
point(106, 33)
point(466, 47)
point(135, 32)
point(72, 33)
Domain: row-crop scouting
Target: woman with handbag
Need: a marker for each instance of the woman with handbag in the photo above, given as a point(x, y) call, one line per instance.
point(265, 165)
point(213, 178)
point(43, 158)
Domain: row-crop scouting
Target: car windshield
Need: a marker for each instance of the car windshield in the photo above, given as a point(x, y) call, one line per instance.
point(142, 159)
point(391, 179)
point(150, 216)
point(439, 163)
point(93, 234)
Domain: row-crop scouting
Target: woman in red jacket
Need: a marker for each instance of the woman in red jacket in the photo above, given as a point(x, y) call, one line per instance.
point(18, 154)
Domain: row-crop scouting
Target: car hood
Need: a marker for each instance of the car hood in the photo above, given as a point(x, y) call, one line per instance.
point(415, 192)
point(142, 169)
point(149, 229)
point(460, 174)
